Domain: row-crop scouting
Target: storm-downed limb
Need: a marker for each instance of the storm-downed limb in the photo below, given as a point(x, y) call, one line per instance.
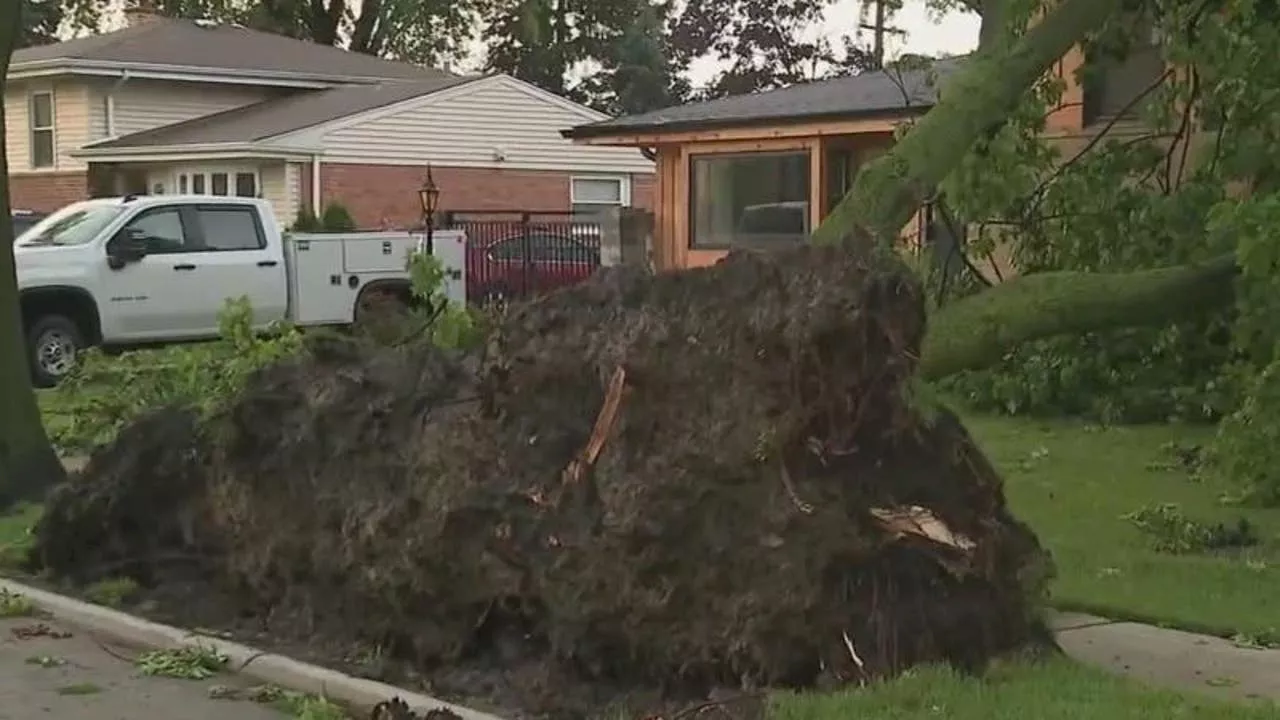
point(980, 96)
point(979, 330)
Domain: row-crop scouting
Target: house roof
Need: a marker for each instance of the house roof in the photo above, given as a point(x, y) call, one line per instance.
point(282, 115)
point(883, 92)
point(198, 45)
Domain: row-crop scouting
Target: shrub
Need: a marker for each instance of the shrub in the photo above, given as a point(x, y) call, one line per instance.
point(307, 221)
point(336, 218)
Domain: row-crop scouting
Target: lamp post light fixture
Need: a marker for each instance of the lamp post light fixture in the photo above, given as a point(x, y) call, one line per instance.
point(429, 197)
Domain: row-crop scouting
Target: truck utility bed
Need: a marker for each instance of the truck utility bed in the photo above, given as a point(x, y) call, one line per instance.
point(329, 269)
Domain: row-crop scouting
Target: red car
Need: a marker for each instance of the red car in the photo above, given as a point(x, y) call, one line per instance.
point(531, 262)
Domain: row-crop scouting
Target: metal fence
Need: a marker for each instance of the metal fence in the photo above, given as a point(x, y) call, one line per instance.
point(513, 254)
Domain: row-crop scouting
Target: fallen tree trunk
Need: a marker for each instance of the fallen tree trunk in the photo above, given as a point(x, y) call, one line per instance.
point(28, 464)
point(977, 331)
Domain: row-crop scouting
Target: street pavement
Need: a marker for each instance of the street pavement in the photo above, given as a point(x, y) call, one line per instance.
point(78, 677)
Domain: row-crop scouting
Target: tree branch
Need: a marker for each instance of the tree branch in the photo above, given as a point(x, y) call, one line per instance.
point(888, 191)
point(979, 330)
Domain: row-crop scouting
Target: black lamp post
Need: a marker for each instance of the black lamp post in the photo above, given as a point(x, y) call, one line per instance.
point(429, 197)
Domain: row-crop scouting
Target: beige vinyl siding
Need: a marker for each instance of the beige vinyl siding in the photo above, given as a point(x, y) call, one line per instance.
point(281, 185)
point(489, 124)
point(70, 120)
point(146, 104)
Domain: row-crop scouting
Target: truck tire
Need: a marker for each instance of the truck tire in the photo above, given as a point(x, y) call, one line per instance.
point(53, 343)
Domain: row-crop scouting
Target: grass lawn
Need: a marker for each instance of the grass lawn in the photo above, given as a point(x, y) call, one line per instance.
point(14, 538)
point(1073, 484)
point(1056, 690)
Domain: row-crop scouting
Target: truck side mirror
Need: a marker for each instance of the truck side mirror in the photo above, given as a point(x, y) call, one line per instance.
point(129, 246)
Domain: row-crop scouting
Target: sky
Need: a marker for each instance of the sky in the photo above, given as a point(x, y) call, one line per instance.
point(954, 34)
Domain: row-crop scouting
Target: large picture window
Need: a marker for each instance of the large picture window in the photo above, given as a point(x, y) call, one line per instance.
point(758, 200)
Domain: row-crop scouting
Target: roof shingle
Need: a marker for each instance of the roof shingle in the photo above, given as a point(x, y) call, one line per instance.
point(866, 94)
point(193, 44)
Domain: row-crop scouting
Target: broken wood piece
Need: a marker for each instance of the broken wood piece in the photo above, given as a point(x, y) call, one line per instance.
point(600, 432)
point(921, 522)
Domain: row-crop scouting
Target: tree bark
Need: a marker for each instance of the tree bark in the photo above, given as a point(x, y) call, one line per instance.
point(979, 97)
point(28, 463)
point(977, 331)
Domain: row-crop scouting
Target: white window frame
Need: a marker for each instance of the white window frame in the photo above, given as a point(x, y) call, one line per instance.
point(209, 171)
point(32, 129)
point(624, 190)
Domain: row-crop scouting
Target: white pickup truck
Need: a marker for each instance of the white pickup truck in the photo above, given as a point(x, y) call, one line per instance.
point(134, 271)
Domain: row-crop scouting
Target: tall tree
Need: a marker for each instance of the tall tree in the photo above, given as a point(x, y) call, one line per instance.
point(764, 44)
point(427, 32)
point(39, 22)
point(636, 72)
point(28, 463)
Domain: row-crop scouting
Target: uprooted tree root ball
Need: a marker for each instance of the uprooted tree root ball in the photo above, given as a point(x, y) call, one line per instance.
point(684, 481)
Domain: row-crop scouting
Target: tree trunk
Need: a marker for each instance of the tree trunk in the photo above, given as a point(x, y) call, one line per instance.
point(28, 463)
point(977, 331)
point(979, 97)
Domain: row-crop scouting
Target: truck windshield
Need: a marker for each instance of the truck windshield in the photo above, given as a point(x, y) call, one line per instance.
point(72, 225)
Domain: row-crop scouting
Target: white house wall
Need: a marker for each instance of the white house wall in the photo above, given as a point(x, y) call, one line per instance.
point(494, 123)
point(146, 104)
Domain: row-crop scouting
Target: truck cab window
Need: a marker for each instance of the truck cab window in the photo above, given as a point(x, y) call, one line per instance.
point(162, 230)
point(231, 228)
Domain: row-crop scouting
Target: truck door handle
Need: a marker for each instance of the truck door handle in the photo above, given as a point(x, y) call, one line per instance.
point(184, 267)
point(267, 263)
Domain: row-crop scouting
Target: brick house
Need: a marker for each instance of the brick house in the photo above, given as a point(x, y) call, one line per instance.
point(182, 106)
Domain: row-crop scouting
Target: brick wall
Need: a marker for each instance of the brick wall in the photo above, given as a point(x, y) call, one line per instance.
point(386, 196)
point(381, 196)
point(46, 192)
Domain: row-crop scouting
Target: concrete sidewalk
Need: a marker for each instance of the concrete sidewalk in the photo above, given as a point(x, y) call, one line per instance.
point(1170, 658)
point(54, 670)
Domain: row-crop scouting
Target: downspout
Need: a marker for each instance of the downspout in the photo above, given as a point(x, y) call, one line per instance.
point(111, 103)
point(315, 185)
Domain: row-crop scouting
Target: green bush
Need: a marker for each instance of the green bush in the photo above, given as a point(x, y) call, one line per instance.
point(307, 222)
point(336, 218)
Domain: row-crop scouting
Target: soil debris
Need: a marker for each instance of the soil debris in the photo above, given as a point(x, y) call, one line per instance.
point(642, 488)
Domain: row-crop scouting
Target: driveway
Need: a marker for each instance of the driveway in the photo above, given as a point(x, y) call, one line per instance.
point(51, 671)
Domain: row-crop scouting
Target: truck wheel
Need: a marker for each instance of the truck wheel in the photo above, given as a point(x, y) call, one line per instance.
point(53, 344)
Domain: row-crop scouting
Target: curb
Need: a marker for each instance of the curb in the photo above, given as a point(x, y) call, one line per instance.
point(261, 666)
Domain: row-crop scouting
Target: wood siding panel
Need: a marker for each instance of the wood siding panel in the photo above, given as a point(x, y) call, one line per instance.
point(70, 119)
point(492, 124)
point(281, 186)
point(146, 104)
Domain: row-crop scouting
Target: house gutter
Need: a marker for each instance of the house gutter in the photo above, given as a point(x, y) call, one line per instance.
point(111, 102)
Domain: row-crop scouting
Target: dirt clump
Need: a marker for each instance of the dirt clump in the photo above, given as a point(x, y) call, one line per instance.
point(716, 478)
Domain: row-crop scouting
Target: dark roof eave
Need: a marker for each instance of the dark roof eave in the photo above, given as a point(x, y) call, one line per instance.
point(598, 130)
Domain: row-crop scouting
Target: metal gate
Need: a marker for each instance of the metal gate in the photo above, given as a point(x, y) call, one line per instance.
point(518, 254)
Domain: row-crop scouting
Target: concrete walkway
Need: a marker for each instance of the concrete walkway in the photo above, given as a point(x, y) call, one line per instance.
point(53, 670)
point(1171, 658)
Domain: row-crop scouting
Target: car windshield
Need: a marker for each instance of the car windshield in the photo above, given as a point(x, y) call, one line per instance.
point(72, 225)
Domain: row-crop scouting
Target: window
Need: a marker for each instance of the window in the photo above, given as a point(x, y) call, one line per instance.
point(162, 231)
point(749, 200)
point(218, 183)
point(592, 195)
point(182, 184)
point(197, 184)
point(40, 116)
point(246, 184)
point(231, 227)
